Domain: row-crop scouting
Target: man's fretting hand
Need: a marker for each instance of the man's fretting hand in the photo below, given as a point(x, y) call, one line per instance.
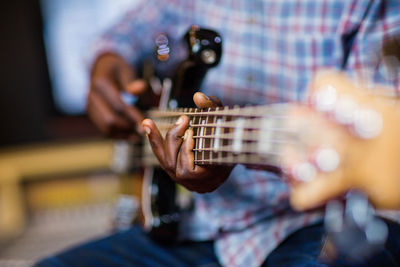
point(110, 76)
point(176, 156)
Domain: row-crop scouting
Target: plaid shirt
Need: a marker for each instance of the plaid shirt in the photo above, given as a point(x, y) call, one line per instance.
point(271, 50)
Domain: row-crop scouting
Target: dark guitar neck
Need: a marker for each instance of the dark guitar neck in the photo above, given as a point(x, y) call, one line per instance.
point(161, 209)
point(231, 135)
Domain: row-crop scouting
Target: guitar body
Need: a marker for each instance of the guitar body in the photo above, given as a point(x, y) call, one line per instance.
point(161, 203)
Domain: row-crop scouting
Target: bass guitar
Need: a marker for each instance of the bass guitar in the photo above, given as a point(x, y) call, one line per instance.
point(161, 199)
point(344, 138)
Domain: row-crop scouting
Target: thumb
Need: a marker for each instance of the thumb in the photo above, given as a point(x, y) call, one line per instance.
point(203, 101)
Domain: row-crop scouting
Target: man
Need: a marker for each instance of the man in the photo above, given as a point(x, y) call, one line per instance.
point(272, 49)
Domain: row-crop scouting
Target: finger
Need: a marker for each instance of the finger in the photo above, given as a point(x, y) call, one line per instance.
point(312, 194)
point(185, 166)
point(155, 139)
point(112, 97)
point(136, 87)
point(136, 116)
point(124, 75)
point(106, 120)
point(110, 94)
point(203, 101)
point(215, 100)
point(186, 155)
point(173, 141)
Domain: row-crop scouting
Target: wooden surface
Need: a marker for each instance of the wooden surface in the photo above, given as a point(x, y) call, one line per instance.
point(19, 165)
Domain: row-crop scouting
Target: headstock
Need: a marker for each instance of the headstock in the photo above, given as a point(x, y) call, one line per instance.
point(347, 138)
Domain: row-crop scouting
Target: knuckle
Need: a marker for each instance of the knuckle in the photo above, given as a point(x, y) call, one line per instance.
point(171, 135)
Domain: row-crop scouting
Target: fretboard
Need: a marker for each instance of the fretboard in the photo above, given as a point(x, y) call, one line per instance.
point(246, 135)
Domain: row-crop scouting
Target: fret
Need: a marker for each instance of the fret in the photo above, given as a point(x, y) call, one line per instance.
point(201, 145)
point(255, 161)
point(231, 130)
point(250, 123)
point(197, 133)
point(276, 110)
point(265, 135)
point(200, 136)
point(238, 135)
point(191, 110)
point(212, 142)
point(247, 148)
point(228, 135)
point(207, 141)
point(247, 134)
point(221, 154)
point(217, 134)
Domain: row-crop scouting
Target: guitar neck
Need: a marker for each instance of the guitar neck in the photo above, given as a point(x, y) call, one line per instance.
point(225, 136)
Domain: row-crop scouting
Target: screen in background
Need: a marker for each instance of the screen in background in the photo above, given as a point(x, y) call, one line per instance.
point(69, 28)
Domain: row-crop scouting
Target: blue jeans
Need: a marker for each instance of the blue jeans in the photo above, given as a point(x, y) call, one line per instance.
point(134, 248)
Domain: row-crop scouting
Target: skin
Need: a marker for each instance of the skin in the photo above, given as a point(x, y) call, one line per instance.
point(176, 156)
point(110, 76)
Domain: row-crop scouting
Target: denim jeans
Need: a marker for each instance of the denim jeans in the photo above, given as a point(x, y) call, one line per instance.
point(134, 248)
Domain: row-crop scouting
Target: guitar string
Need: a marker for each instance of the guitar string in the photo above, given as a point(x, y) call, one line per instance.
point(247, 149)
point(190, 115)
point(225, 111)
point(229, 115)
point(249, 145)
point(248, 160)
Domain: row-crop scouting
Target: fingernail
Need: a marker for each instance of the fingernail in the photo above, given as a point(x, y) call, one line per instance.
point(206, 97)
point(147, 129)
point(179, 121)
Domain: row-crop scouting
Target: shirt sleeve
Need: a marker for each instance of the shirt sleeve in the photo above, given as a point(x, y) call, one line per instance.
point(367, 62)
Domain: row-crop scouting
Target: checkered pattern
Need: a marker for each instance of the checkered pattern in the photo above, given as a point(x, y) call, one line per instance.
point(271, 50)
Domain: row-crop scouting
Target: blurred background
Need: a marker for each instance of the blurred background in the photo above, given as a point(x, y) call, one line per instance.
point(56, 187)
